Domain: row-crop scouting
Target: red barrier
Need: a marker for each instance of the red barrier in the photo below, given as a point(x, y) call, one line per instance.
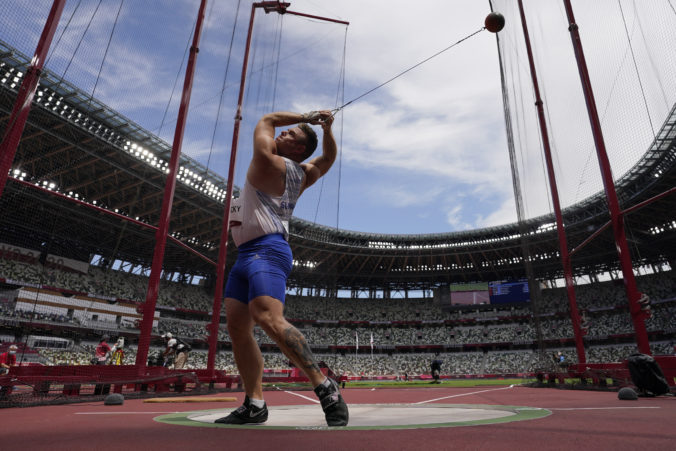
point(71, 379)
point(620, 371)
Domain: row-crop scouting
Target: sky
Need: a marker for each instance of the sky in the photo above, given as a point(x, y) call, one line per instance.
point(424, 153)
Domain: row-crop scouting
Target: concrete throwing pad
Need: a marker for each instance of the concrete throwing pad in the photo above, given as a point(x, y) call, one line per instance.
point(369, 416)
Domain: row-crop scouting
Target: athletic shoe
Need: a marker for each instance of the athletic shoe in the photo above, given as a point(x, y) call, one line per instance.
point(247, 413)
point(335, 409)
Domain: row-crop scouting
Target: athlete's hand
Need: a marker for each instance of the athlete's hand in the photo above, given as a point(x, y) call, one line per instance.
point(323, 118)
point(326, 119)
point(312, 117)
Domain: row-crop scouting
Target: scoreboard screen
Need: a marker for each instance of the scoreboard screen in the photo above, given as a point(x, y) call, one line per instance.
point(503, 292)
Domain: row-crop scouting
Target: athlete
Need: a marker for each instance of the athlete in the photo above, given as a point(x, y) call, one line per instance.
point(255, 291)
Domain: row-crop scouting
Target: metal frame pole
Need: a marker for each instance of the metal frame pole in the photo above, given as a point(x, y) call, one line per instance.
point(269, 6)
point(22, 105)
point(167, 201)
point(563, 244)
point(223, 248)
point(616, 216)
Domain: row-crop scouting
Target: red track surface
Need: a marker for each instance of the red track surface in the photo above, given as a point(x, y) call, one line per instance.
point(579, 420)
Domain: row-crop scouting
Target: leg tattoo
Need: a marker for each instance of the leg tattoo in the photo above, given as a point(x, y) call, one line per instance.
point(297, 344)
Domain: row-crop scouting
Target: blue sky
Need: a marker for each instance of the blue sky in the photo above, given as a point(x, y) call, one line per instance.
point(426, 153)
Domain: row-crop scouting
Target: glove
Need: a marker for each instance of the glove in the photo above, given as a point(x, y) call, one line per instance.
point(312, 116)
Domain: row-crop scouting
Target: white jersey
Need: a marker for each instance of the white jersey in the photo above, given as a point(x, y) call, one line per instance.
point(255, 213)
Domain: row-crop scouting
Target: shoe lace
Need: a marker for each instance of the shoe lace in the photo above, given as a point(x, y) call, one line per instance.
point(241, 409)
point(323, 391)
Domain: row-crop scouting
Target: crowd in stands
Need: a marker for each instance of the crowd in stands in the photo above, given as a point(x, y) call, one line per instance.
point(396, 309)
point(47, 317)
point(107, 283)
point(400, 365)
point(129, 286)
point(599, 326)
point(8, 312)
point(385, 322)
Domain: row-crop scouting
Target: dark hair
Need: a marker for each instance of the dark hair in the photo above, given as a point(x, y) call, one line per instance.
point(310, 140)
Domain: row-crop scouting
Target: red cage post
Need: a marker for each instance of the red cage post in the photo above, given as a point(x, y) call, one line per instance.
point(22, 105)
point(616, 216)
point(167, 201)
point(563, 243)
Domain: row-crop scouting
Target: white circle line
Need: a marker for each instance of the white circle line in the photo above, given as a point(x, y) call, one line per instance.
point(602, 408)
point(464, 394)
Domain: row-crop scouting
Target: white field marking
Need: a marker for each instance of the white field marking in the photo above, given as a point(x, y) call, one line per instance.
point(121, 413)
point(464, 394)
point(602, 408)
point(297, 394)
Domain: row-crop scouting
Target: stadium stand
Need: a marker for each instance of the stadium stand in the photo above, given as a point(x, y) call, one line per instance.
point(502, 338)
point(77, 238)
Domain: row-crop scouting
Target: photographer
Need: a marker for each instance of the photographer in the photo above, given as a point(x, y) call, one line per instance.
point(178, 348)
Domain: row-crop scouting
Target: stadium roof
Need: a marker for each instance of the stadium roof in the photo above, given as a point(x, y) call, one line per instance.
point(105, 168)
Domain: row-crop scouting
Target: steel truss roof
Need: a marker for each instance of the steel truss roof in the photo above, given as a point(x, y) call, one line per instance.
point(78, 144)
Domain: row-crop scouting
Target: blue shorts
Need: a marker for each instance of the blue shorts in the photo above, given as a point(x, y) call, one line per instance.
point(262, 267)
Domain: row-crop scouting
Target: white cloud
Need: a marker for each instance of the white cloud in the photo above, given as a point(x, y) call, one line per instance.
point(455, 219)
point(433, 137)
point(401, 193)
point(505, 214)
